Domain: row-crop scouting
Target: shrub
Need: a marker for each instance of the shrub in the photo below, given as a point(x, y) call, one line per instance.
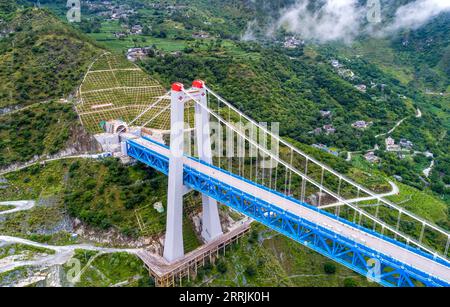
point(222, 267)
point(329, 268)
point(350, 282)
point(250, 271)
point(253, 237)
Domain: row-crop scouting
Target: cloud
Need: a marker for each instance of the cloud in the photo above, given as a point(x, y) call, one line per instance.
point(417, 13)
point(249, 34)
point(343, 20)
point(336, 19)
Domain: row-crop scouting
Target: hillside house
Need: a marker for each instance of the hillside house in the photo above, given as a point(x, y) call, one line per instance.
point(200, 35)
point(292, 42)
point(325, 113)
point(390, 145)
point(329, 129)
point(361, 87)
point(371, 157)
point(335, 64)
point(360, 124)
point(406, 144)
point(134, 54)
point(136, 30)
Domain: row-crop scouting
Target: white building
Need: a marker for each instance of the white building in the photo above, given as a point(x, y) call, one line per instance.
point(360, 124)
point(390, 145)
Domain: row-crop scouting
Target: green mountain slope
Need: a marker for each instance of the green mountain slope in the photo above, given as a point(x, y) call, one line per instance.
point(7, 8)
point(41, 58)
point(41, 61)
point(267, 82)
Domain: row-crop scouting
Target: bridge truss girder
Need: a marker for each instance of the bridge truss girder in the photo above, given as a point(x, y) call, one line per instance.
point(353, 255)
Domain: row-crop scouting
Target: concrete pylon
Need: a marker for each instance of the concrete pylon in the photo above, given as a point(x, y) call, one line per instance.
point(211, 227)
point(173, 246)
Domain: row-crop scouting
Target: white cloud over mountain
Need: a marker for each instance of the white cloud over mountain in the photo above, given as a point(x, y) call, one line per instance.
point(345, 19)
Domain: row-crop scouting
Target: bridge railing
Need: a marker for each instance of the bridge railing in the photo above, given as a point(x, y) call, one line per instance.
point(280, 166)
point(252, 151)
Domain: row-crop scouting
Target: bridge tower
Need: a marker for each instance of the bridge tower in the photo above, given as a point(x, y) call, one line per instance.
point(173, 246)
point(211, 227)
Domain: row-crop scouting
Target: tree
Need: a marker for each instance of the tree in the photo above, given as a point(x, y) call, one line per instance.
point(350, 282)
point(222, 267)
point(329, 268)
point(250, 271)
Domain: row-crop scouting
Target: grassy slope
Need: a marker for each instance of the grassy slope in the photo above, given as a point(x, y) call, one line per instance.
point(43, 58)
point(110, 269)
point(39, 130)
point(112, 197)
point(268, 259)
point(109, 200)
point(422, 204)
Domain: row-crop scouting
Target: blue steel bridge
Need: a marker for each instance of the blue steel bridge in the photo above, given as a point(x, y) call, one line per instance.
point(287, 191)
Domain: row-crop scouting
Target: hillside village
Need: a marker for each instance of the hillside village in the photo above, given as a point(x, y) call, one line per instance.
point(70, 187)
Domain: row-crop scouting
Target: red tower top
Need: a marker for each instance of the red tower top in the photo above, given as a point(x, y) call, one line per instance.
point(198, 84)
point(177, 87)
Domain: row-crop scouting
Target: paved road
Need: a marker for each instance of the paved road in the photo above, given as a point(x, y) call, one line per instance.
point(428, 170)
point(395, 190)
point(21, 205)
point(393, 129)
point(423, 264)
point(26, 165)
point(418, 113)
point(61, 256)
point(62, 253)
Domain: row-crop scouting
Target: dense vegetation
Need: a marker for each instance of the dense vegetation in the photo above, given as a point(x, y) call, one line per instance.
point(300, 81)
point(41, 58)
point(265, 81)
point(39, 130)
point(267, 259)
point(7, 8)
point(274, 88)
point(106, 194)
point(111, 269)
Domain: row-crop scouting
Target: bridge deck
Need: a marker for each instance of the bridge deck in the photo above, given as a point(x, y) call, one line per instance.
point(408, 257)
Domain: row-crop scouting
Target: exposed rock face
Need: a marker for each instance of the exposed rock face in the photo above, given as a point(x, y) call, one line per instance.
point(82, 142)
point(113, 237)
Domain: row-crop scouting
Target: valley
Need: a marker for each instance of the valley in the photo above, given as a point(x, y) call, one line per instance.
point(63, 205)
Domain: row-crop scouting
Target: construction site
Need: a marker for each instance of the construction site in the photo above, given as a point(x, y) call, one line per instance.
point(114, 101)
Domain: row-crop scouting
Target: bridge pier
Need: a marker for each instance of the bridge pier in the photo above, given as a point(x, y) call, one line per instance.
point(173, 246)
point(211, 227)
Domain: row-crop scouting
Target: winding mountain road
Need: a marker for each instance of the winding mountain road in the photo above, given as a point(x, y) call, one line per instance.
point(20, 205)
point(395, 190)
point(62, 253)
point(393, 129)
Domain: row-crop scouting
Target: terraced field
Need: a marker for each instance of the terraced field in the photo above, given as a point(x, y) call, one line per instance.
point(114, 88)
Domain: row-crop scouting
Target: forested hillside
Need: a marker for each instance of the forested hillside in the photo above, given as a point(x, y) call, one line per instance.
point(40, 58)
point(404, 73)
point(7, 7)
point(397, 84)
point(42, 61)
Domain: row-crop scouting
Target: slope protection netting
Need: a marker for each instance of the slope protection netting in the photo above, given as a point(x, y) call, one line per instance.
point(114, 88)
